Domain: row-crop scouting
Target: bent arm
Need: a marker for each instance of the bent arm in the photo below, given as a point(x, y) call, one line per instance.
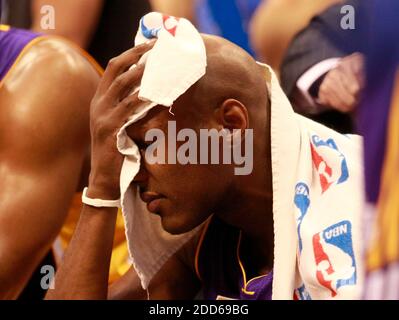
point(45, 130)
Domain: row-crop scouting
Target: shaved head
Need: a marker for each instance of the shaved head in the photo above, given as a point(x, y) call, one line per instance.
point(231, 73)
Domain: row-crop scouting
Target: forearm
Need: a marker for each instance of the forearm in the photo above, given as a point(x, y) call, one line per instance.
point(85, 267)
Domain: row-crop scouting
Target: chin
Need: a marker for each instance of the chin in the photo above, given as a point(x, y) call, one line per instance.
point(175, 224)
point(175, 228)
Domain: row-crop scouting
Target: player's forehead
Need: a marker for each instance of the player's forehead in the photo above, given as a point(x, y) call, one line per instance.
point(157, 118)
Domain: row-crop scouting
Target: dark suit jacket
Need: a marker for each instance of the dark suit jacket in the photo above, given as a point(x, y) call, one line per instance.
point(322, 39)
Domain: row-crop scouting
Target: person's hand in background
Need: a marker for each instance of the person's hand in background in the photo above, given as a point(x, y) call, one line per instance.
point(341, 87)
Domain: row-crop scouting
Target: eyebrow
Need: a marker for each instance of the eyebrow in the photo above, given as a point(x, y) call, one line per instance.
point(143, 125)
point(138, 132)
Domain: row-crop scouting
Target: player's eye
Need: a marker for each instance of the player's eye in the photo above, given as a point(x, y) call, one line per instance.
point(143, 145)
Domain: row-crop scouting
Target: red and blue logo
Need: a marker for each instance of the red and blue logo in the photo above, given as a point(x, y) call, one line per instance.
point(301, 293)
point(334, 257)
point(331, 171)
point(170, 24)
point(302, 202)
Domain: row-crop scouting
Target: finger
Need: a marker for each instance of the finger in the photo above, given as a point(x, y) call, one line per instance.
point(119, 64)
point(347, 90)
point(128, 105)
point(356, 65)
point(348, 80)
point(327, 98)
point(331, 93)
point(124, 83)
point(357, 62)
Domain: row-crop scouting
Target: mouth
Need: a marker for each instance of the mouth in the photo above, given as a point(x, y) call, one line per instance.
point(152, 199)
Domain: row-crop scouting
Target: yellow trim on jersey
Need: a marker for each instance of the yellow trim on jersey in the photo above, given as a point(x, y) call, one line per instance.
point(20, 55)
point(384, 248)
point(83, 52)
point(30, 44)
point(244, 275)
point(4, 27)
point(199, 248)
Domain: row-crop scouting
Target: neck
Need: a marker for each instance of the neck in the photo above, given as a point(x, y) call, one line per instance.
point(250, 208)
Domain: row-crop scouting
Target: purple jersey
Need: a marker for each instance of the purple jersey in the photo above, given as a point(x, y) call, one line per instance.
point(12, 42)
point(220, 269)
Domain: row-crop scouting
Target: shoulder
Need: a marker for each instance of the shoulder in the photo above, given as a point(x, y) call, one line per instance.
point(56, 57)
point(46, 98)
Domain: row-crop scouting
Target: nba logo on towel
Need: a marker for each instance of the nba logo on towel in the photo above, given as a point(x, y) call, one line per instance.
point(302, 202)
point(334, 257)
point(301, 293)
point(329, 161)
point(170, 23)
point(150, 27)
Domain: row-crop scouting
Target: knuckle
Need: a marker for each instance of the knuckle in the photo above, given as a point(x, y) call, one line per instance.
point(323, 88)
point(112, 63)
point(101, 128)
point(97, 102)
point(129, 101)
point(119, 81)
point(123, 104)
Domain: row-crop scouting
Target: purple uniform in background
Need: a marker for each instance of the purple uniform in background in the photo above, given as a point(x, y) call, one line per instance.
point(220, 269)
point(378, 121)
point(12, 42)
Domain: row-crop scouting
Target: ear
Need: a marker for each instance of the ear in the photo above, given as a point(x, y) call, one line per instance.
point(232, 114)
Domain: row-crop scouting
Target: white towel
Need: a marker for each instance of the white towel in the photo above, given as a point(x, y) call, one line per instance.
point(317, 195)
point(317, 202)
point(175, 63)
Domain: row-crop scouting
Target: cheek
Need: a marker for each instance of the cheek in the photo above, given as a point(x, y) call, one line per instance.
point(175, 179)
point(184, 178)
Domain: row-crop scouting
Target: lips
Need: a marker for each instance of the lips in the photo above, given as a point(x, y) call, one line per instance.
point(152, 199)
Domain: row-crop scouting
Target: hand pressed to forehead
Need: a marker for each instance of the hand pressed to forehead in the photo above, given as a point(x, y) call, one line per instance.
point(111, 107)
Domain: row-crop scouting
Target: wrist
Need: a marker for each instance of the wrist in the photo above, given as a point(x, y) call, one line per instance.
point(101, 188)
point(98, 202)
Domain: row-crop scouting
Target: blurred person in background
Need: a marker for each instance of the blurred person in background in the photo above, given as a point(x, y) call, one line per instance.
point(276, 22)
point(322, 72)
point(378, 122)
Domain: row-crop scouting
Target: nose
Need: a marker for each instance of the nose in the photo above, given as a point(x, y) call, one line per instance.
point(141, 178)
